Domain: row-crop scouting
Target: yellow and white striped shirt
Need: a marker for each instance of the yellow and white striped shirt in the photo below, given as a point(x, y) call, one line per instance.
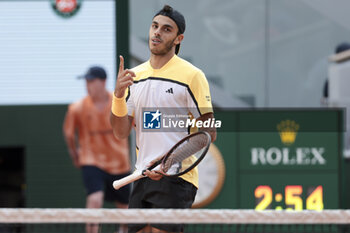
point(177, 85)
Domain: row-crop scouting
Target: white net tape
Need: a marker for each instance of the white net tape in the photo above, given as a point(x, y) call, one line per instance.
point(195, 216)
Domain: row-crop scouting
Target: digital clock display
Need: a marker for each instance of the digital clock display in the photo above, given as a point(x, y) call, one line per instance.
point(301, 191)
point(290, 199)
point(290, 160)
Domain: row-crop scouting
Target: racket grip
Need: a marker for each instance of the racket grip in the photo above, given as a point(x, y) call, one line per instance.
point(117, 184)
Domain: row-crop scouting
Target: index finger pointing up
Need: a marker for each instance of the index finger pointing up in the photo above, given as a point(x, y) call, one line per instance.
point(121, 64)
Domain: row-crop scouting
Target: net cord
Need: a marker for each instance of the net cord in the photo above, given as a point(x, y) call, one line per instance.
point(194, 216)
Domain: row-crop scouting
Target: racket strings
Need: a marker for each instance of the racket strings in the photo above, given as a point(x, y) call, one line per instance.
point(187, 148)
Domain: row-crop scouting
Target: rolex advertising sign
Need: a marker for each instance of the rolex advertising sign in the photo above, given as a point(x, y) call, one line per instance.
point(288, 130)
point(281, 140)
point(290, 159)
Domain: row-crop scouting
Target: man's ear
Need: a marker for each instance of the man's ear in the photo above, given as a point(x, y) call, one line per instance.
point(179, 38)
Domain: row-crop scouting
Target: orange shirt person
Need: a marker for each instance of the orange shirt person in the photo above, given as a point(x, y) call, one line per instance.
point(92, 146)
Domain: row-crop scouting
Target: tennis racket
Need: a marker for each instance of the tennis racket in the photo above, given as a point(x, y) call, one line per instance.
point(180, 159)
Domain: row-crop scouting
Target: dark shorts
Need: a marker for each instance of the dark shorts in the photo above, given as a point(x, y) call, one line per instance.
point(96, 180)
point(168, 192)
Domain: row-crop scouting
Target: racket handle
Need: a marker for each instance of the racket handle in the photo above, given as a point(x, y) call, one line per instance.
point(117, 184)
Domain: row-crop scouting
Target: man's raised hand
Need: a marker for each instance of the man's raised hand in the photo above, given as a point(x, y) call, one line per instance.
point(125, 78)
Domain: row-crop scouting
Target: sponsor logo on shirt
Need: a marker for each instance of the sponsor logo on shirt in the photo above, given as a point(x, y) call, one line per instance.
point(170, 91)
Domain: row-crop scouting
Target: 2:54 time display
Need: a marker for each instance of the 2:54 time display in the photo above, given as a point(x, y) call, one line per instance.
point(294, 198)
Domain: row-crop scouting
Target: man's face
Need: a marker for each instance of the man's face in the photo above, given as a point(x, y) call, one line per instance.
point(163, 35)
point(95, 86)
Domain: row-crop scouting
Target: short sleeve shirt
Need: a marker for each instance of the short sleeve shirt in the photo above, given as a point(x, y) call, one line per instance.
point(178, 85)
point(97, 144)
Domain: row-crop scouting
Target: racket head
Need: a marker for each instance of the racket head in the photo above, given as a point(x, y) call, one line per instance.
point(186, 154)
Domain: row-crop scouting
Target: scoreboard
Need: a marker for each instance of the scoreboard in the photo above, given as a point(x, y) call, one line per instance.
point(290, 160)
point(281, 159)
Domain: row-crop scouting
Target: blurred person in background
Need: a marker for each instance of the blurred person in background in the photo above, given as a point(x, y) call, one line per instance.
point(92, 146)
point(341, 47)
point(338, 49)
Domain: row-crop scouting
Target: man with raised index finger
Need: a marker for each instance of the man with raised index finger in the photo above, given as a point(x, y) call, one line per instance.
point(164, 81)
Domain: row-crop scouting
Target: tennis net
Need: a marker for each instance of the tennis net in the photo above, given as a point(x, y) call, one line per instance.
point(195, 220)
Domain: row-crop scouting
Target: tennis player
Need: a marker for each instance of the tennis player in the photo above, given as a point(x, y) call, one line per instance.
point(101, 157)
point(164, 81)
